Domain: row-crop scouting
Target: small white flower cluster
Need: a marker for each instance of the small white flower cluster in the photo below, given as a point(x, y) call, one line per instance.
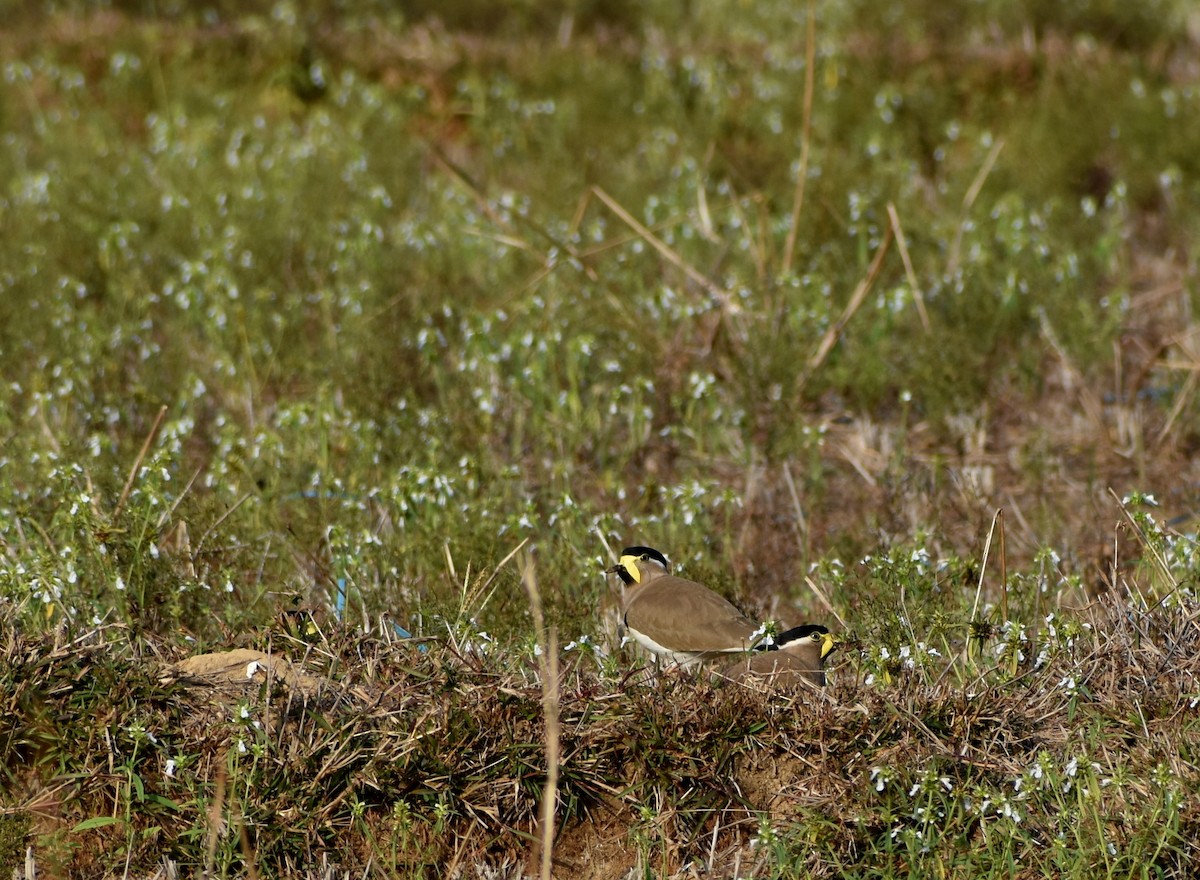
point(252, 727)
point(1037, 775)
point(878, 655)
point(475, 639)
point(1059, 637)
point(1012, 641)
point(1070, 771)
point(1180, 552)
point(913, 657)
point(1069, 684)
point(920, 560)
point(583, 643)
point(998, 803)
point(881, 777)
point(1043, 774)
point(524, 524)
point(140, 734)
point(767, 835)
point(930, 788)
point(918, 656)
point(930, 782)
point(1139, 499)
point(1167, 780)
point(1007, 809)
point(762, 636)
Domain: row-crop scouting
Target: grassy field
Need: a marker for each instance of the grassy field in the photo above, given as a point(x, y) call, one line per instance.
point(325, 324)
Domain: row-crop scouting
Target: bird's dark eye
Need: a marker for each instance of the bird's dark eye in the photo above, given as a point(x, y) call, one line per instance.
point(816, 637)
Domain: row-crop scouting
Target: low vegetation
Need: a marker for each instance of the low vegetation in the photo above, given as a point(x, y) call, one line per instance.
point(362, 338)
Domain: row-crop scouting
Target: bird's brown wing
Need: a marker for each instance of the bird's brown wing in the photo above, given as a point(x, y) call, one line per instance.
point(685, 616)
point(782, 668)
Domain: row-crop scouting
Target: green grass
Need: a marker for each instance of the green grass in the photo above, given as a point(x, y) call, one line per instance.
point(377, 273)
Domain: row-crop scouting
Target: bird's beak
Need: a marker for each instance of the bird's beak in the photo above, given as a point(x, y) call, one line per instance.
point(623, 572)
point(828, 644)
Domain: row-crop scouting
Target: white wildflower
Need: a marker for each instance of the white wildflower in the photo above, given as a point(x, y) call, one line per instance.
point(881, 776)
point(1009, 811)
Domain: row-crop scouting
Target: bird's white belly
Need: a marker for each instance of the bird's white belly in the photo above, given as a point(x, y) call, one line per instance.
point(682, 658)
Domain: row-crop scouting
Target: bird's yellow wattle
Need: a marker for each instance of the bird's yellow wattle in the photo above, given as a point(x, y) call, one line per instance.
point(630, 564)
point(827, 645)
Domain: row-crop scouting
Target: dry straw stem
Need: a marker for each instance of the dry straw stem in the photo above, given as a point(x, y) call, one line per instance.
point(1186, 342)
point(137, 464)
point(839, 326)
point(705, 216)
point(548, 667)
point(800, 539)
point(457, 174)
point(902, 246)
point(511, 239)
point(801, 520)
point(607, 548)
point(471, 602)
point(969, 200)
point(247, 850)
point(170, 511)
point(759, 243)
point(810, 54)
point(216, 822)
point(1181, 399)
point(820, 594)
point(987, 548)
point(1160, 561)
point(668, 253)
point(1087, 397)
point(216, 524)
point(1003, 567)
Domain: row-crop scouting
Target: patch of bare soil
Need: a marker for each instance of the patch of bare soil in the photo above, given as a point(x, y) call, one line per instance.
point(598, 848)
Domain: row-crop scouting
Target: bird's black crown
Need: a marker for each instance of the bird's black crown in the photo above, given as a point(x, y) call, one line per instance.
point(797, 633)
point(648, 553)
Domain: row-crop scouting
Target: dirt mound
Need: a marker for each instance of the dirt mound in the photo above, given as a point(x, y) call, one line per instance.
point(242, 669)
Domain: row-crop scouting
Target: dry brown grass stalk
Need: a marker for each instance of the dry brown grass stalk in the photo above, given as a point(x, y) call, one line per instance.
point(968, 201)
point(838, 327)
point(548, 665)
point(215, 821)
point(137, 462)
point(1182, 398)
point(719, 294)
point(1089, 401)
point(914, 285)
point(1155, 553)
point(475, 598)
point(810, 58)
point(1003, 567)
